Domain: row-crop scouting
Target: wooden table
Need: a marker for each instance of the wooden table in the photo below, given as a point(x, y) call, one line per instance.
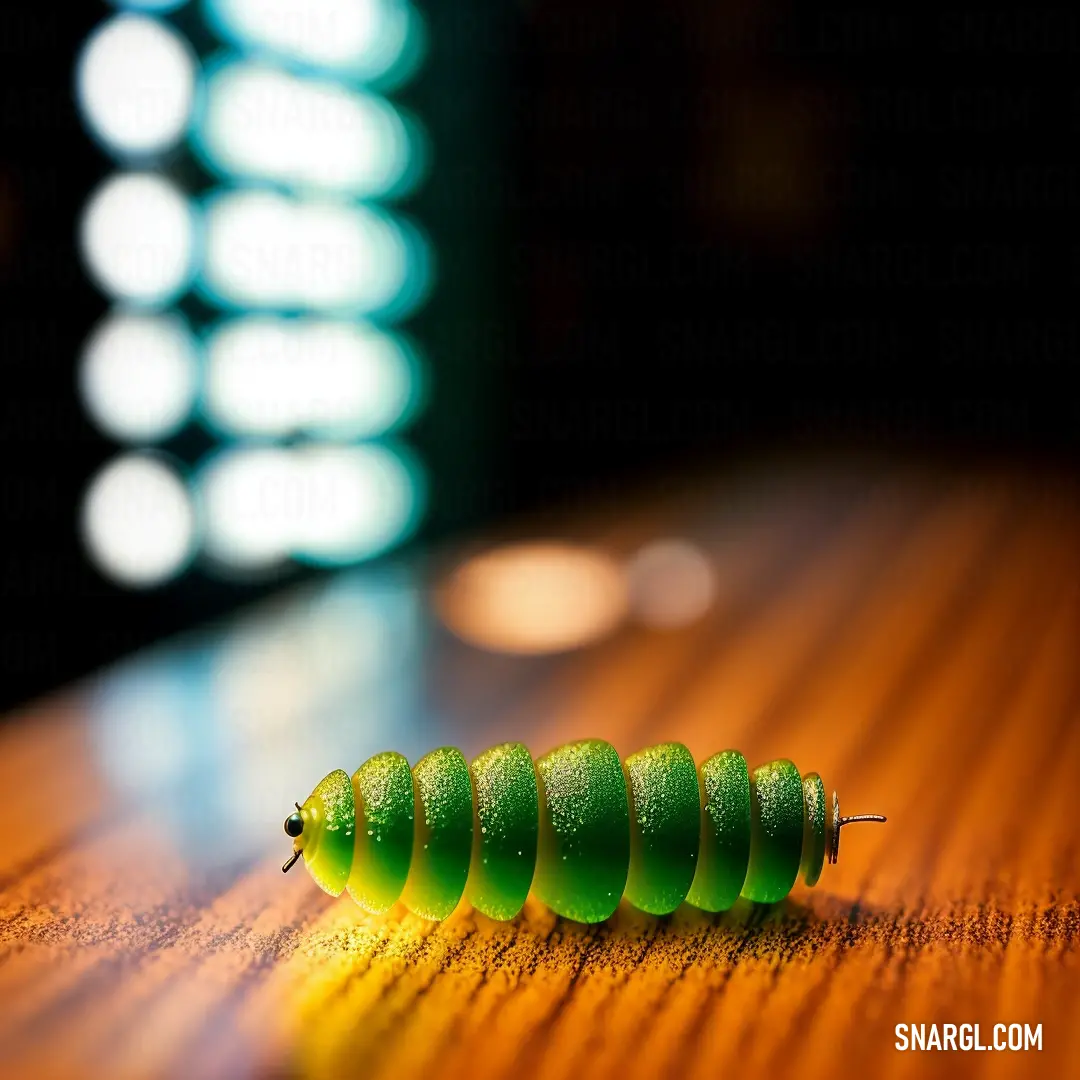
point(914, 636)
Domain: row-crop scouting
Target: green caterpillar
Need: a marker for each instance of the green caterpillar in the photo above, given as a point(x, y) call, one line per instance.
point(578, 828)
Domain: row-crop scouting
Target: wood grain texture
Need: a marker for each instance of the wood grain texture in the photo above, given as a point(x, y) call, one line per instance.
point(912, 636)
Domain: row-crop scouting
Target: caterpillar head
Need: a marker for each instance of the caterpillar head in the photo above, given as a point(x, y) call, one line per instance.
point(322, 832)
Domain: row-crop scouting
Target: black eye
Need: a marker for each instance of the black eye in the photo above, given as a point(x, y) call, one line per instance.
point(294, 825)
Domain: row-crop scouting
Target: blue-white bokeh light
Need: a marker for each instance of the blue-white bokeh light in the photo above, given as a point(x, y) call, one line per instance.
point(267, 251)
point(139, 375)
point(325, 504)
point(135, 80)
point(361, 41)
point(138, 239)
point(270, 377)
point(366, 499)
point(302, 373)
point(261, 123)
point(138, 521)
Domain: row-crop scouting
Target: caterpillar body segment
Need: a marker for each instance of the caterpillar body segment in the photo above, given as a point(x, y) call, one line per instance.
point(724, 850)
point(327, 826)
point(813, 843)
point(776, 831)
point(443, 839)
point(384, 808)
point(665, 837)
point(584, 850)
point(505, 830)
point(579, 828)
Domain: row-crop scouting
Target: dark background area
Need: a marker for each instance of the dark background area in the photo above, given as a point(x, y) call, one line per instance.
point(665, 238)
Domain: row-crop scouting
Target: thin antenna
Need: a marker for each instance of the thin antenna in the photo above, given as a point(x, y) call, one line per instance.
point(837, 823)
point(292, 861)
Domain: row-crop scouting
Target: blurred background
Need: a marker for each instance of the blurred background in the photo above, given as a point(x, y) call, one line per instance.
point(297, 285)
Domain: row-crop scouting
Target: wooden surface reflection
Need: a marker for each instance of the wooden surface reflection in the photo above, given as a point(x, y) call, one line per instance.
point(913, 638)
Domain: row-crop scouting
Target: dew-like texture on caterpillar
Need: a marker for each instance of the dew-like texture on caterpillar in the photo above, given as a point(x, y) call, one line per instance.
point(579, 828)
